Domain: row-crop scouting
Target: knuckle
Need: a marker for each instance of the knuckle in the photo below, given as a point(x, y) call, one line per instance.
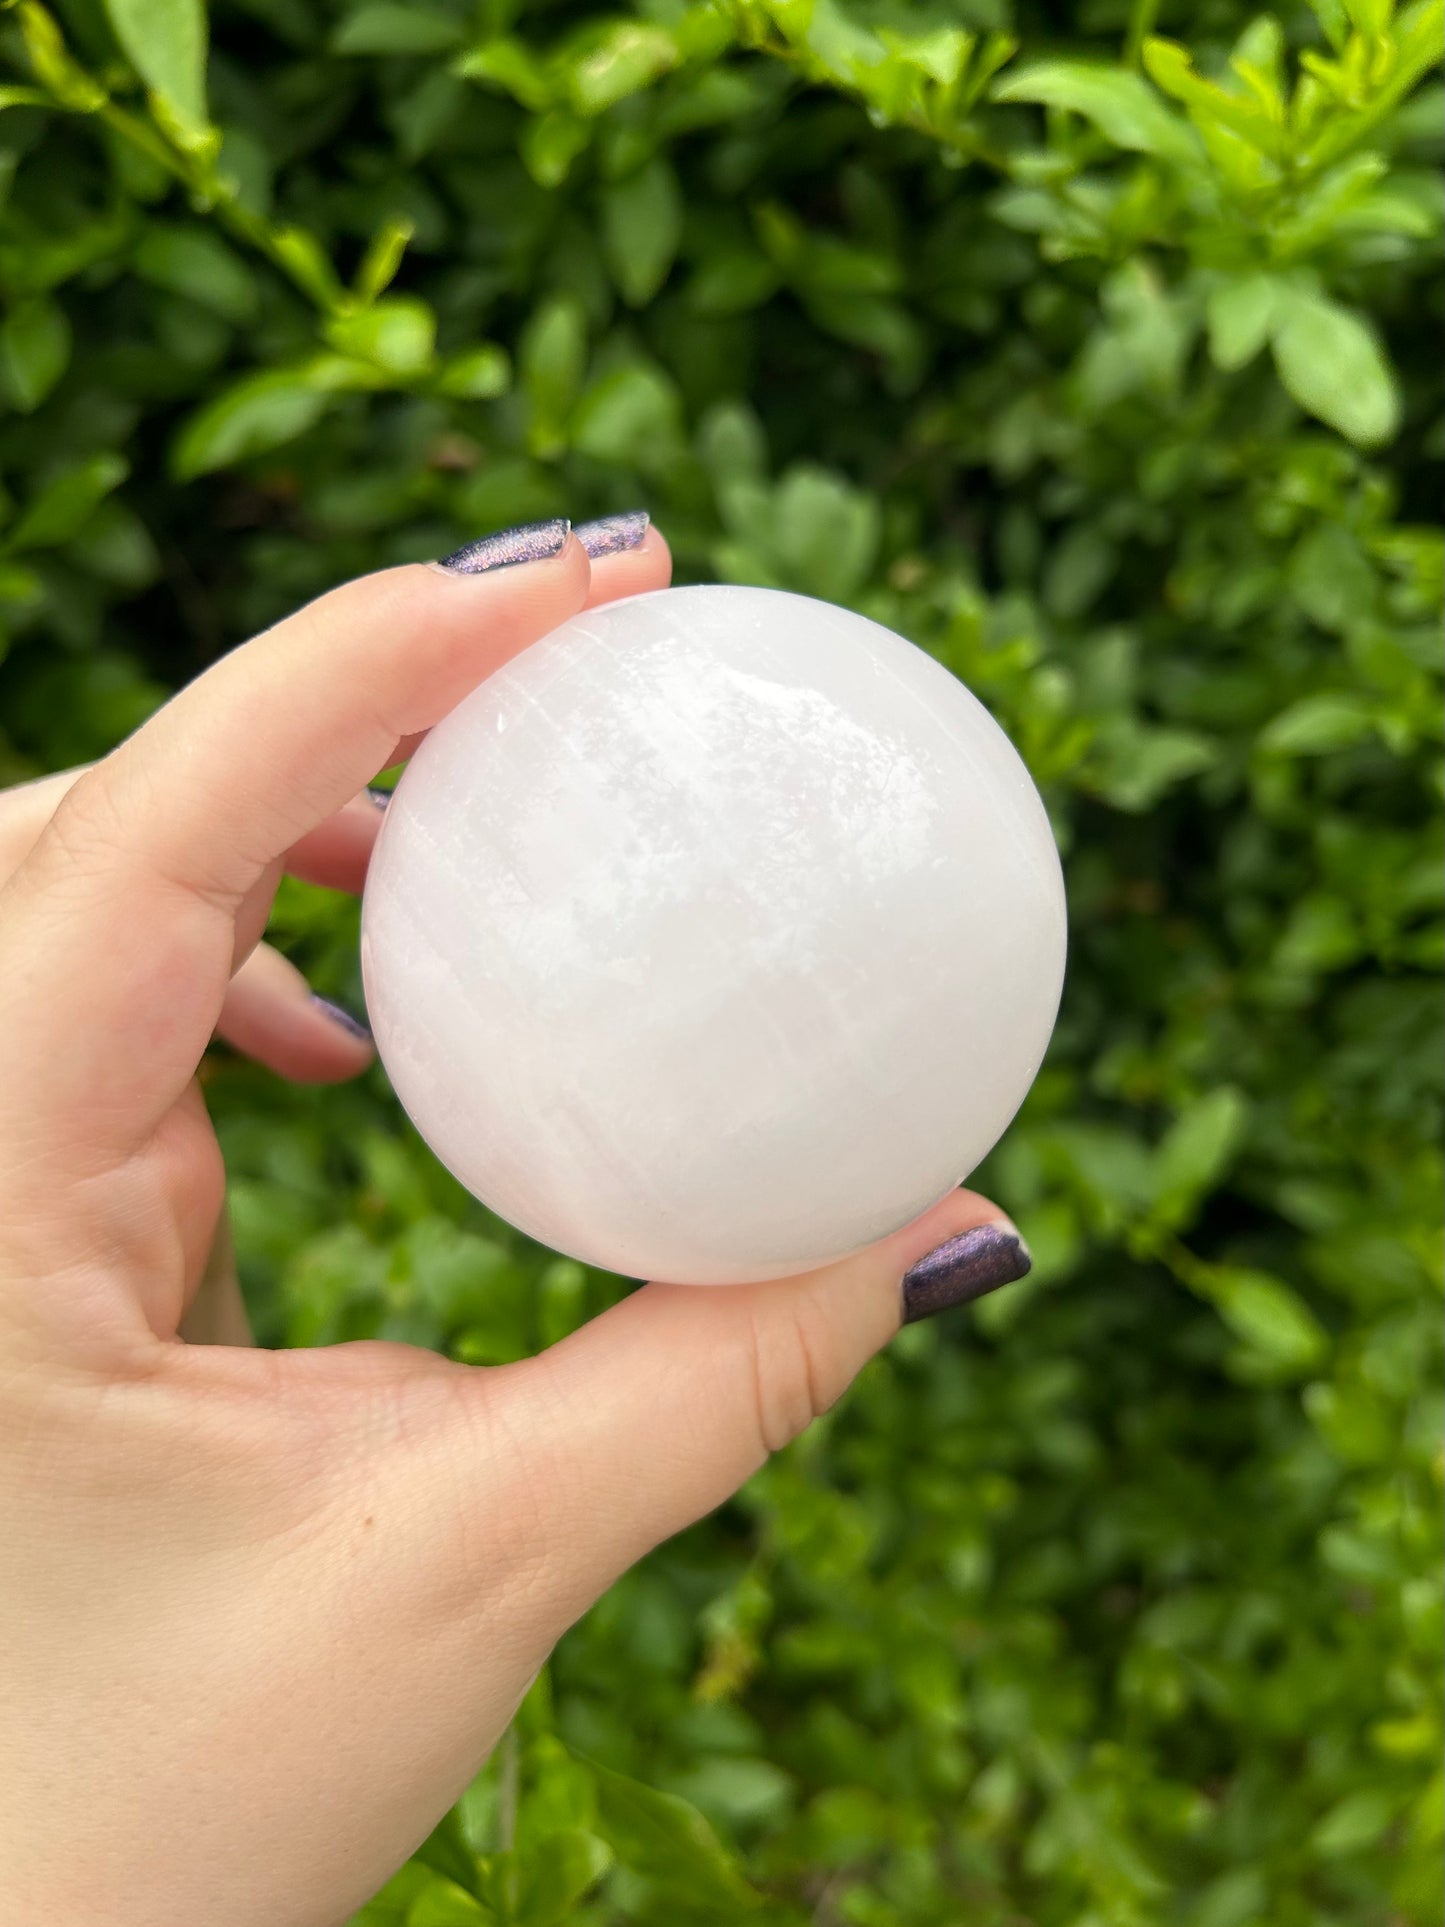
point(85, 830)
point(796, 1372)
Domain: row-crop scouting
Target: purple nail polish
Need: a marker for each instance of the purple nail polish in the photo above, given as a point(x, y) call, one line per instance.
point(964, 1268)
point(613, 533)
point(342, 1019)
point(531, 542)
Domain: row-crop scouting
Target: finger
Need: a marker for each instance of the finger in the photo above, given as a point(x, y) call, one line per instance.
point(653, 1414)
point(272, 1014)
point(335, 854)
point(125, 909)
point(630, 572)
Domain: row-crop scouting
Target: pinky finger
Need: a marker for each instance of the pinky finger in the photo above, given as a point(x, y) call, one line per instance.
point(272, 1015)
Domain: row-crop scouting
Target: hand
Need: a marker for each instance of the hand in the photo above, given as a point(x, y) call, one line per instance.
point(269, 1011)
point(263, 1614)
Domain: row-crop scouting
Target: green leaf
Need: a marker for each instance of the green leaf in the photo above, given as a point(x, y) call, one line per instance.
point(445, 1851)
point(1331, 363)
point(641, 227)
point(1334, 20)
point(63, 507)
point(196, 262)
point(1241, 316)
point(561, 1792)
point(557, 1872)
point(394, 29)
point(165, 41)
point(1258, 58)
point(1354, 1823)
point(477, 374)
point(732, 283)
point(260, 412)
point(441, 1903)
point(1196, 1151)
point(1332, 578)
point(561, 1300)
point(397, 333)
point(623, 58)
point(1317, 725)
point(1213, 110)
point(731, 444)
point(511, 65)
point(1078, 571)
point(669, 1843)
point(392, 1906)
point(20, 588)
point(1370, 17)
point(632, 416)
point(552, 358)
point(60, 76)
point(383, 257)
point(1270, 1319)
point(884, 327)
point(1136, 764)
point(742, 1791)
point(1124, 107)
point(1319, 936)
point(34, 351)
point(550, 144)
point(305, 260)
point(825, 532)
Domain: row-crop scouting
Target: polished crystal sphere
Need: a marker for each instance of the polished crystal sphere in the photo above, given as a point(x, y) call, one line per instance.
point(714, 936)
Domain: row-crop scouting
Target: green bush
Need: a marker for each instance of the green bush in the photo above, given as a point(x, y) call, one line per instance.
point(1107, 369)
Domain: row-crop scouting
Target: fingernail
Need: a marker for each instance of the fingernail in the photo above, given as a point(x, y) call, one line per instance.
point(532, 542)
point(378, 795)
point(614, 533)
point(342, 1019)
point(966, 1267)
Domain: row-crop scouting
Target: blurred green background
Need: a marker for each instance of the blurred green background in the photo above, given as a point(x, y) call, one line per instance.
point(1095, 348)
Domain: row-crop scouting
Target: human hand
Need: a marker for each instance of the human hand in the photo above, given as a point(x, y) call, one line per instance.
point(263, 1614)
point(269, 1011)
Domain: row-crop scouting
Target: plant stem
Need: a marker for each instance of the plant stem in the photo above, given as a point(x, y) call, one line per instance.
point(508, 1774)
point(209, 193)
point(1142, 15)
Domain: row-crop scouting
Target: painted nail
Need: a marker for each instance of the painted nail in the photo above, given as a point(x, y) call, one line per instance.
point(532, 542)
point(342, 1019)
point(964, 1268)
point(378, 795)
point(614, 533)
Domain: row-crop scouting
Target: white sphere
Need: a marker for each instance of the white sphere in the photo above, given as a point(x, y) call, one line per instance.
point(716, 935)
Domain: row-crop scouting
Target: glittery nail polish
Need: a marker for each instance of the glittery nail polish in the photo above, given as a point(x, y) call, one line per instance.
point(613, 533)
point(964, 1268)
point(342, 1019)
point(378, 795)
point(531, 542)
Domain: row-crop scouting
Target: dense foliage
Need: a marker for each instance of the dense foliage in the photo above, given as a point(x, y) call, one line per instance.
point(1106, 367)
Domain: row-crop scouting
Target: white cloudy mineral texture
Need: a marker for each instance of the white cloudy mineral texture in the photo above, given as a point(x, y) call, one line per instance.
point(716, 935)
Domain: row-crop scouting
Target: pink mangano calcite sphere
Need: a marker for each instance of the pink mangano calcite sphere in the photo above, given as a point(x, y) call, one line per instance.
point(716, 935)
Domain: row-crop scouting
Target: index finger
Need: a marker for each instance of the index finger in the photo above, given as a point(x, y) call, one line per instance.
point(117, 932)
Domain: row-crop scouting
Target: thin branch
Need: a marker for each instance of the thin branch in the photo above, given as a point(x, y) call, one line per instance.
point(508, 1787)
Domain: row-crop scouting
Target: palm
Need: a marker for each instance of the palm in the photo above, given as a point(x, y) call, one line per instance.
point(289, 1509)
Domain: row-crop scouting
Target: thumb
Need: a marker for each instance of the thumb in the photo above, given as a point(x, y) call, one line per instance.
point(660, 1409)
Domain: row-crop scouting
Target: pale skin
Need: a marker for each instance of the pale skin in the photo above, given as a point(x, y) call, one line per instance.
point(264, 1614)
